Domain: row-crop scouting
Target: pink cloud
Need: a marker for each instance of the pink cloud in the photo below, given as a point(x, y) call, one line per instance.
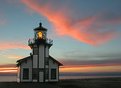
point(12, 45)
point(81, 30)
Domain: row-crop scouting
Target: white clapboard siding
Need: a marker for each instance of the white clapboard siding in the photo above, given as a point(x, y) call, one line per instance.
point(51, 66)
point(27, 64)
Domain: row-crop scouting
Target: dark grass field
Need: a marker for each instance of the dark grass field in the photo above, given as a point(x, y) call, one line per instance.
point(72, 83)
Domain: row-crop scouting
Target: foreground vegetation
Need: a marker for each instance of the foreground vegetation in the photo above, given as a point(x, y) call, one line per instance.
point(73, 83)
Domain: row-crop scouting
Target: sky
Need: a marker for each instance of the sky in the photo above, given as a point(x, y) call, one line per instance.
point(86, 33)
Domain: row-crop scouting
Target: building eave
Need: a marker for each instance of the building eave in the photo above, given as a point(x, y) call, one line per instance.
point(28, 57)
point(22, 60)
point(60, 64)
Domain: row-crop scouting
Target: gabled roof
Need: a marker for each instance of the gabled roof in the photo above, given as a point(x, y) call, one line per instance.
point(22, 60)
point(60, 64)
point(29, 57)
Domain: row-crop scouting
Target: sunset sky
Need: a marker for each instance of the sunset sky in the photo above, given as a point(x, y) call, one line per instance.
point(86, 33)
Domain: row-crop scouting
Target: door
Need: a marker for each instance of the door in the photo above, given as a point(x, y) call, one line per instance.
point(41, 76)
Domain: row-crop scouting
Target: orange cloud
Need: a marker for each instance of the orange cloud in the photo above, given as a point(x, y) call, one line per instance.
point(89, 69)
point(8, 68)
point(88, 66)
point(12, 45)
point(7, 65)
point(81, 30)
point(12, 69)
point(93, 63)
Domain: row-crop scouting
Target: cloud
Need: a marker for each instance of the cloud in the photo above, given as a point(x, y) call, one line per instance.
point(7, 65)
point(8, 69)
point(82, 29)
point(14, 56)
point(91, 63)
point(91, 66)
point(11, 56)
point(86, 69)
point(12, 45)
point(98, 62)
point(75, 55)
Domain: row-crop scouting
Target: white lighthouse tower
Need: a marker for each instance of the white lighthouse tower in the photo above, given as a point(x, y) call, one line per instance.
point(39, 66)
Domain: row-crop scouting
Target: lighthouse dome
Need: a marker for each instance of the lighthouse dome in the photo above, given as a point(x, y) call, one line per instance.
point(40, 28)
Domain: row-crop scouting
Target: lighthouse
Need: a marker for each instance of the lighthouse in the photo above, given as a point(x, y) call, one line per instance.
point(39, 66)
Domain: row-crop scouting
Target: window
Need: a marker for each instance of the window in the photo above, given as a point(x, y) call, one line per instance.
point(35, 51)
point(35, 73)
point(53, 73)
point(46, 61)
point(46, 73)
point(25, 73)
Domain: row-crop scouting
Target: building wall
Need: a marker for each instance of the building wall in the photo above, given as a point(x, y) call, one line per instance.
point(47, 51)
point(18, 74)
point(35, 61)
point(41, 62)
point(41, 56)
point(53, 65)
point(26, 64)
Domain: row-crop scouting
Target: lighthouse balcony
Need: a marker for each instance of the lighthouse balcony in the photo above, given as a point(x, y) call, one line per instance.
point(49, 42)
point(33, 41)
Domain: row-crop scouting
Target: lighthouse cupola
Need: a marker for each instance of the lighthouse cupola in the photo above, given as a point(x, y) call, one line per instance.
point(40, 33)
point(40, 37)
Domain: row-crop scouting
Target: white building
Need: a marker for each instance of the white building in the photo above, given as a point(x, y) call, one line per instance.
point(39, 66)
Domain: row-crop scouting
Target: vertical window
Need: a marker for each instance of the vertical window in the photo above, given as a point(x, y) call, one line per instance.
point(25, 73)
point(46, 73)
point(35, 51)
point(46, 61)
point(53, 73)
point(35, 73)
